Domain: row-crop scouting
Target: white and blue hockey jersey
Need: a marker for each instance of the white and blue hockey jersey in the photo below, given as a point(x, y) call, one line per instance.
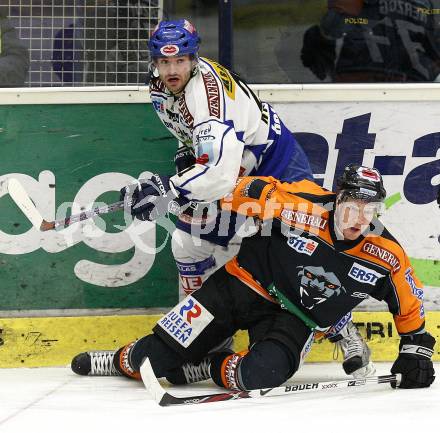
point(231, 132)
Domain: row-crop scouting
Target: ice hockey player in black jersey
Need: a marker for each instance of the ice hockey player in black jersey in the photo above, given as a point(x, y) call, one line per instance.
point(317, 255)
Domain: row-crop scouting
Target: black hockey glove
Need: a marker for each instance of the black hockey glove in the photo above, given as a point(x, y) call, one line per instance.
point(438, 197)
point(318, 53)
point(152, 198)
point(183, 159)
point(414, 361)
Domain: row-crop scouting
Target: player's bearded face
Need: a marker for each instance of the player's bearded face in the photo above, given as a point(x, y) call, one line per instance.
point(353, 217)
point(175, 71)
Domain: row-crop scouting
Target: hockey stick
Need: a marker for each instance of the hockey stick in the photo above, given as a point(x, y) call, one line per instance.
point(163, 398)
point(23, 201)
point(65, 222)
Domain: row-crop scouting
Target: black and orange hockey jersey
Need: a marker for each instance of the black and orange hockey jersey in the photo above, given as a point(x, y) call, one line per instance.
point(297, 259)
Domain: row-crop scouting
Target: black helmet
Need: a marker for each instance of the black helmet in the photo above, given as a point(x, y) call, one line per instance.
point(362, 183)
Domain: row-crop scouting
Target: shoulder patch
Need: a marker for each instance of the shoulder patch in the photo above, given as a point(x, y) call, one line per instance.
point(225, 77)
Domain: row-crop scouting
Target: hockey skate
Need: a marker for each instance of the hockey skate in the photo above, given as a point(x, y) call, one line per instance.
point(191, 373)
point(355, 351)
point(100, 363)
point(97, 363)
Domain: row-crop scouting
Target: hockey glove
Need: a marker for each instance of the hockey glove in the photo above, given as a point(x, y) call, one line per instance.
point(152, 198)
point(183, 159)
point(438, 197)
point(414, 361)
point(318, 53)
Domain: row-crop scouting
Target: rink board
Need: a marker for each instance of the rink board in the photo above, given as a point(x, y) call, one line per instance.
point(53, 341)
point(85, 153)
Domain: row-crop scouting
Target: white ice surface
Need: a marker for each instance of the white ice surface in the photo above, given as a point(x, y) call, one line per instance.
point(55, 400)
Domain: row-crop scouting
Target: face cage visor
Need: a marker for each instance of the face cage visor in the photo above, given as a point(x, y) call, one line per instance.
point(373, 205)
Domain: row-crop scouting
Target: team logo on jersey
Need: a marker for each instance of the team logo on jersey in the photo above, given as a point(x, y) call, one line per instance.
point(186, 321)
point(317, 285)
point(169, 50)
point(382, 254)
point(302, 245)
point(364, 275)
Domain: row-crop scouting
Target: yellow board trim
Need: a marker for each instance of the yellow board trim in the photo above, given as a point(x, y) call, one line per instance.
point(53, 341)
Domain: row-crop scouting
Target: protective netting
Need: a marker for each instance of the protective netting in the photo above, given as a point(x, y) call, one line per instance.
point(85, 42)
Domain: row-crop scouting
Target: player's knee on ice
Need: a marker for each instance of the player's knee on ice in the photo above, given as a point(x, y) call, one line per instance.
point(268, 364)
point(162, 358)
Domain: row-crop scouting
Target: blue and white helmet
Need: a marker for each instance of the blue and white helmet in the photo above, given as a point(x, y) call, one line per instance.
point(174, 38)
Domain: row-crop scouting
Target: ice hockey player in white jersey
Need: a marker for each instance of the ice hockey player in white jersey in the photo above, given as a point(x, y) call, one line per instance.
point(224, 131)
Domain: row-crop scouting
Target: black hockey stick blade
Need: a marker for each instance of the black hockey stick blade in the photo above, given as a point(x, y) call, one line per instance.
point(163, 398)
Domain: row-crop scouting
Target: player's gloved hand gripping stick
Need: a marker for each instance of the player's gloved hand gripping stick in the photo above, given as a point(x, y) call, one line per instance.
point(152, 198)
point(148, 202)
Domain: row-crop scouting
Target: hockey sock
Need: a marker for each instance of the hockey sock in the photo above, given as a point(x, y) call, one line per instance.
point(268, 364)
point(225, 369)
point(121, 361)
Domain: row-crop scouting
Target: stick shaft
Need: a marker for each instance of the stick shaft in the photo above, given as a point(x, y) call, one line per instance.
point(168, 399)
point(82, 216)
